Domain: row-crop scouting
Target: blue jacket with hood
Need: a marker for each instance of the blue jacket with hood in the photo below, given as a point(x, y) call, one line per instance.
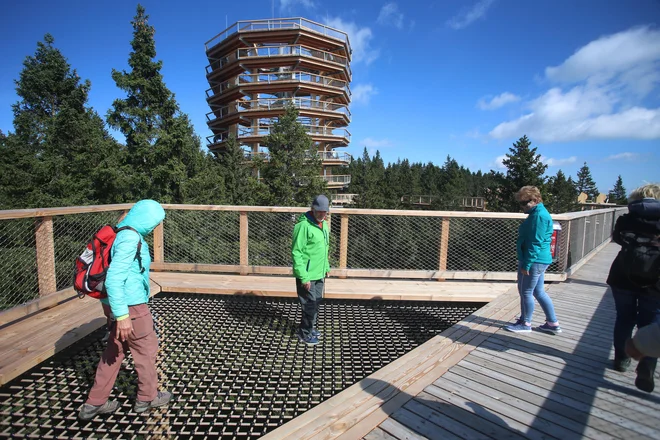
point(125, 284)
point(534, 237)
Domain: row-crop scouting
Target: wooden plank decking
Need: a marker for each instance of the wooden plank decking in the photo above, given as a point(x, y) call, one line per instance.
point(478, 381)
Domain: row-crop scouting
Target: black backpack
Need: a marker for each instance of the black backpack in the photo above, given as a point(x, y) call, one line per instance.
point(641, 258)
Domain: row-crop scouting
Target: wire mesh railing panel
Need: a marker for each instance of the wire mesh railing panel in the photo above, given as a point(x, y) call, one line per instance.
point(394, 242)
point(19, 281)
point(590, 234)
point(335, 239)
point(575, 244)
point(483, 244)
point(202, 237)
point(234, 365)
point(270, 237)
point(71, 233)
point(561, 258)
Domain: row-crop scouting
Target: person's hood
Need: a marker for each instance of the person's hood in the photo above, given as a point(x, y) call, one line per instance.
point(308, 217)
point(144, 216)
point(645, 208)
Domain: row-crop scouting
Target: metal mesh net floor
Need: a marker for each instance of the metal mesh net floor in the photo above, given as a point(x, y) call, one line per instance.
point(234, 364)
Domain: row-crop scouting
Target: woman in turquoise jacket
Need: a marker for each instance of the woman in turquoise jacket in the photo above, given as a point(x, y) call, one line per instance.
point(534, 257)
point(132, 326)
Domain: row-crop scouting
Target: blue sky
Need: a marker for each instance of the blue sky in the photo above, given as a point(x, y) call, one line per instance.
point(430, 78)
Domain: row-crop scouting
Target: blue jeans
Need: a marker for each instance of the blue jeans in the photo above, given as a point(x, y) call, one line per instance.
point(530, 287)
point(633, 309)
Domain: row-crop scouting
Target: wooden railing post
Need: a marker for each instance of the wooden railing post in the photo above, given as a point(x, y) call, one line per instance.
point(343, 244)
point(244, 243)
point(159, 244)
point(444, 246)
point(45, 256)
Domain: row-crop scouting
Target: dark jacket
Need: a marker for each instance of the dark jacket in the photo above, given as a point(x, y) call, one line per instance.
point(643, 218)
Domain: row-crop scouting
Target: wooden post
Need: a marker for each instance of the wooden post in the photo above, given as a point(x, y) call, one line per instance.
point(45, 256)
point(343, 244)
point(244, 243)
point(159, 244)
point(444, 246)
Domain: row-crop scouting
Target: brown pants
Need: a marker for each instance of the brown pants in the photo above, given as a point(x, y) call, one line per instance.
point(143, 344)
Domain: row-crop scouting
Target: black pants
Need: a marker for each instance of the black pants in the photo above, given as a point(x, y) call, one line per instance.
point(310, 301)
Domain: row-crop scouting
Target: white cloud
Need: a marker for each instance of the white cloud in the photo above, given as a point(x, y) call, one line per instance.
point(497, 101)
point(289, 4)
point(605, 95)
point(390, 15)
point(376, 143)
point(362, 93)
point(467, 17)
point(359, 37)
point(558, 162)
point(498, 163)
point(623, 156)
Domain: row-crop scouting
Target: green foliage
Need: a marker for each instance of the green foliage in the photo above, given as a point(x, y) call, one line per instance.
point(618, 193)
point(524, 167)
point(585, 183)
point(60, 150)
point(561, 195)
point(292, 175)
point(165, 156)
point(237, 173)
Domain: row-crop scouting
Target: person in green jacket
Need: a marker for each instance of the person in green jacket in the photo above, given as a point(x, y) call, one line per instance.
point(309, 253)
point(534, 257)
point(132, 326)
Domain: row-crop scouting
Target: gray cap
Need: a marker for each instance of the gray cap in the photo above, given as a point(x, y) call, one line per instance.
point(321, 203)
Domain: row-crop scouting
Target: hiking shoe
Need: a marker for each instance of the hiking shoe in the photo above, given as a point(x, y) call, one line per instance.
point(518, 328)
point(162, 398)
point(622, 365)
point(519, 321)
point(88, 412)
point(309, 340)
point(316, 333)
point(546, 328)
point(644, 380)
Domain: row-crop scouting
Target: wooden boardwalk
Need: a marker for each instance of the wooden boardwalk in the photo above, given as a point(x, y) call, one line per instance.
point(477, 381)
point(538, 386)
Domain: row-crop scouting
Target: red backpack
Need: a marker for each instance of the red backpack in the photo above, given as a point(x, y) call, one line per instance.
point(92, 264)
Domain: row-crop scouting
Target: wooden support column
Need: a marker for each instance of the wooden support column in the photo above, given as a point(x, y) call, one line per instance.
point(244, 243)
point(159, 244)
point(45, 256)
point(343, 243)
point(444, 246)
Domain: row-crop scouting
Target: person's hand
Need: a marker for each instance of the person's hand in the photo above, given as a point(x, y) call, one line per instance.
point(307, 286)
point(632, 351)
point(327, 275)
point(124, 329)
point(524, 272)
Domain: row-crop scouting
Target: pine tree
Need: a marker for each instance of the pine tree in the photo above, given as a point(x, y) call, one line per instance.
point(61, 149)
point(162, 149)
point(585, 183)
point(618, 193)
point(562, 196)
point(293, 172)
point(524, 167)
point(237, 173)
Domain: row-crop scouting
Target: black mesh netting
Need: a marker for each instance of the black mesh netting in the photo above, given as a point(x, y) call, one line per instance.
point(233, 363)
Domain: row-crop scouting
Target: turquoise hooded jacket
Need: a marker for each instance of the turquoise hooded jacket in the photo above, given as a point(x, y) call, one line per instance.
point(125, 284)
point(534, 237)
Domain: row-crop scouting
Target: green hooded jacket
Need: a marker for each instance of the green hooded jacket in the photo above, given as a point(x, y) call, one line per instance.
point(309, 249)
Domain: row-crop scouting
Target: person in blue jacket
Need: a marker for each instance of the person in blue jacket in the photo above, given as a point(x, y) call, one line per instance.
point(534, 257)
point(132, 325)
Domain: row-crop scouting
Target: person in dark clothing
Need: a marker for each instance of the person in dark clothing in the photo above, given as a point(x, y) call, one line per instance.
point(309, 252)
point(637, 298)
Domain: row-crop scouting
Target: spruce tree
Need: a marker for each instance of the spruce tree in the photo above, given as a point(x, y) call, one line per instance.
point(618, 193)
point(163, 152)
point(585, 183)
point(237, 173)
point(562, 196)
point(524, 167)
point(60, 150)
point(293, 172)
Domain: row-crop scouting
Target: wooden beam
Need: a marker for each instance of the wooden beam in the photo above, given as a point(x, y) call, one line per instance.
point(444, 245)
point(45, 256)
point(52, 212)
point(159, 244)
point(244, 261)
point(37, 305)
point(343, 243)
